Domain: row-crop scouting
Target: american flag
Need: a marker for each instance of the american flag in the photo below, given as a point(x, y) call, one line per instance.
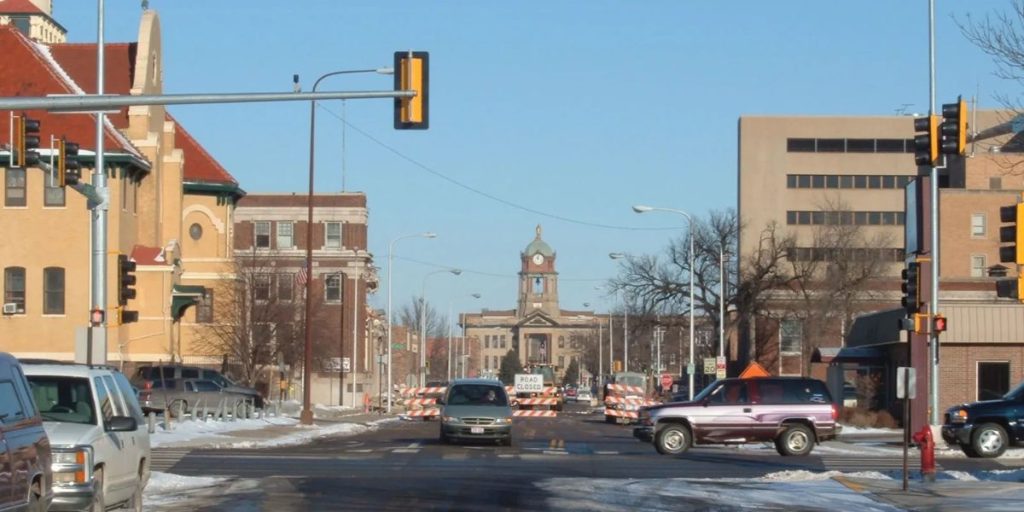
point(302, 276)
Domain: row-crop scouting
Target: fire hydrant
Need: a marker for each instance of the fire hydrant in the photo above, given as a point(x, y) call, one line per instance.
point(926, 444)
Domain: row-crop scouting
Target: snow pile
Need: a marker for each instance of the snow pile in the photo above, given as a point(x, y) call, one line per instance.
point(302, 435)
point(168, 488)
point(184, 432)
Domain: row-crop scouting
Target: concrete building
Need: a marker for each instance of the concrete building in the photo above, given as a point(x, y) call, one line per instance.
point(270, 233)
point(34, 18)
point(807, 172)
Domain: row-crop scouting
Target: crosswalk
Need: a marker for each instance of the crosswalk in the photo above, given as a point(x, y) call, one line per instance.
point(163, 459)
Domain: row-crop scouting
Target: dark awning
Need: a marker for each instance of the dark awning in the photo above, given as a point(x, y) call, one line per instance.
point(183, 296)
point(847, 355)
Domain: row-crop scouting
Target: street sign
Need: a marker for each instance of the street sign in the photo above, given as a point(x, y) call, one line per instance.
point(906, 382)
point(529, 383)
point(666, 380)
point(398, 346)
point(690, 369)
point(709, 365)
point(346, 365)
point(720, 367)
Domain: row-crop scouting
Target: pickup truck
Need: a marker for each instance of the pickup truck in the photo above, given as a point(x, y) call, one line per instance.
point(988, 427)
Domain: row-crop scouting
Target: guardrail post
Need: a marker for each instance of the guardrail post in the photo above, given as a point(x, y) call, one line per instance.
point(206, 410)
point(220, 410)
point(151, 422)
point(181, 410)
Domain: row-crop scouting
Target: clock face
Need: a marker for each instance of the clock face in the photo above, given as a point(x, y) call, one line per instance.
point(538, 258)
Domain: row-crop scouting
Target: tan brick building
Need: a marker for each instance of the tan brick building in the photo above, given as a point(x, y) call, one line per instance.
point(797, 171)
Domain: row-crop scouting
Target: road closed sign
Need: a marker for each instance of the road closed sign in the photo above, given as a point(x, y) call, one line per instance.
point(527, 383)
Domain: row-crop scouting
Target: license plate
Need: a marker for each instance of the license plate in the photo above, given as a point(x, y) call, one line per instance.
point(476, 430)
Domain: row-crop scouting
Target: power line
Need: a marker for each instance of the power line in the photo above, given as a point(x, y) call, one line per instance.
point(487, 274)
point(482, 193)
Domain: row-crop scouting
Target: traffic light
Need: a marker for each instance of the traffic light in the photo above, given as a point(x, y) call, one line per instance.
point(412, 74)
point(69, 170)
point(954, 127)
point(910, 287)
point(939, 324)
point(1011, 233)
point(126, 292)
point(26, 141)
point(926, 142)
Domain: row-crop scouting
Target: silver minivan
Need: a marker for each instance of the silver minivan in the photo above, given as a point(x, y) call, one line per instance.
point(476, 409)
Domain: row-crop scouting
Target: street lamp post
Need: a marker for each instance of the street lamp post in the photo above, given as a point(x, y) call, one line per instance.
point(626, 299)
point(391, 247)
point(461, 345)
point(689, 220)
point(423, 322)
point(306, 417)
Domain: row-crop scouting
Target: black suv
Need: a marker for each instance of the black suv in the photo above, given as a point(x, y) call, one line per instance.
point(986, 428)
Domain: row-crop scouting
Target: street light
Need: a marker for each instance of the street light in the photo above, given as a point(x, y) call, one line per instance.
point(306, 418)
point(459, 364)
point(626, 299)
point(423, 322)
point(391, 247)
point(643, 209)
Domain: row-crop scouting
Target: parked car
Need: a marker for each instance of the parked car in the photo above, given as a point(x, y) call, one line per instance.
point(100, 450)
point(25, 457)
point(583, 395)
point(570, 394)
point(145, 376)
point(793, 412)
point(476, 409)
point(988, 427)
point(182, 394)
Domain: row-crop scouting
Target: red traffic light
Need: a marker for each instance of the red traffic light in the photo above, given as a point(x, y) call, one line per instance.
point(940, 323)
point(96, 317)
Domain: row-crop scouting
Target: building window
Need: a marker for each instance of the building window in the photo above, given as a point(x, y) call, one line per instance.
point(487, 364)
point(286, 287)
point(978, 266)
point(995, 183)
point(124, 193)
point(195, 231)
point(538, 285)
point(993, 380)
point(14, 287)
point(561, 361)
point(487, 341)
point(333, 238)
point(502, 341)
point(496, 366)
point(977, 225)
point(800, 145)
point(791, 336)
point(204, 309)
point(561, 342)
point(14, 188)
point(52, 196)
point(332, 288)
point(262, 230)
point(261, 287)
point(285, 240)
point(53, 291)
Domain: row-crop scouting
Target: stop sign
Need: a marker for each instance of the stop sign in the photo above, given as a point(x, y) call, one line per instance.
point(666, 380)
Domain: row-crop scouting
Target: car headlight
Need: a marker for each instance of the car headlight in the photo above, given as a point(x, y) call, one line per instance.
point(450, 419)
point(72, 465)
point(958, 416)
point(503, 421)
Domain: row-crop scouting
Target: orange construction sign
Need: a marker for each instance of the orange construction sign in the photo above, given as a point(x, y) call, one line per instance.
point(754, 370)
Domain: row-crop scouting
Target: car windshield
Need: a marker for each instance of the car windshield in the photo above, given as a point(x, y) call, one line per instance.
point(1015, 393)
point(477, 394)
point(64, 399)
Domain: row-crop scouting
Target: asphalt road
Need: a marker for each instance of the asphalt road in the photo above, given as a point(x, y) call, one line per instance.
point(402, 466)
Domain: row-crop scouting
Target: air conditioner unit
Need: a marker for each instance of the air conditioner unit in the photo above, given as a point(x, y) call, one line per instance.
point(10, 308)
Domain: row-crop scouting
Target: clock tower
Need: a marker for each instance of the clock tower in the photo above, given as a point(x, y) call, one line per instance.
point(538, 281)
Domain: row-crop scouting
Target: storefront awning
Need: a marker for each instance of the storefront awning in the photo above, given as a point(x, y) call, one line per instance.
point(183, 296)
point(836, 355)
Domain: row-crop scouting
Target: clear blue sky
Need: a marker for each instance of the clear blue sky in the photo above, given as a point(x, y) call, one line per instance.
point(577, 109)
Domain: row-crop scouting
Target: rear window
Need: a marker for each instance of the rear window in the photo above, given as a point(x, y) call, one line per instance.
point(64, 399)
point(805, 391)
point(477, 394)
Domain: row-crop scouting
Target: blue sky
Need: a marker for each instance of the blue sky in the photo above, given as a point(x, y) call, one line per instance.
point(576, 109)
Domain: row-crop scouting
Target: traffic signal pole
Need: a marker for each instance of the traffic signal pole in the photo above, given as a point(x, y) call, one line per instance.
point(99, 212)
point(933, 369)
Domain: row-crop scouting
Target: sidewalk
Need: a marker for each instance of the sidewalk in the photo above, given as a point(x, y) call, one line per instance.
point(270, 431)
point(943, 494)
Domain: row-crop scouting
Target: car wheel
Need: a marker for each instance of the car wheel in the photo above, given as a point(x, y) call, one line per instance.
point(673, 440)
point(969, 451)
point(989, 440)
point(178, 408)
point(35, 500)
point(796, 440)
point(99, 503)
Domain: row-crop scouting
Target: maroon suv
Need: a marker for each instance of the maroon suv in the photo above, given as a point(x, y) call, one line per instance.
point(793, 412)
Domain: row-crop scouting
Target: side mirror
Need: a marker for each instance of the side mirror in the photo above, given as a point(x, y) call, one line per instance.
point(121, 424)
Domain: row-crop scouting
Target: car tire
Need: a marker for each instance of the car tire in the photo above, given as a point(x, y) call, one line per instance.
point(989, 440)
point(175, 408)
point(969, 451)
point(35, 499)
point(99, 503)
point(673, 440)
point(796, 440)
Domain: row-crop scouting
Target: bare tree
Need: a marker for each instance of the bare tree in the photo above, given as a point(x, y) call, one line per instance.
point(255, 319)
point(1001, 36)
point(410, 316)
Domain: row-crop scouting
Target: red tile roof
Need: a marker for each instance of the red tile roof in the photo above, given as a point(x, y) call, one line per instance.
point(80, 62)
point(200, 166)
point(20, 7)
point(27, 69)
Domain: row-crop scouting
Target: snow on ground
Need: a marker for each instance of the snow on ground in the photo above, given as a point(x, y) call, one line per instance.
point(252, 433)
point(870, 431)
point(168, 488)
point(183, 432)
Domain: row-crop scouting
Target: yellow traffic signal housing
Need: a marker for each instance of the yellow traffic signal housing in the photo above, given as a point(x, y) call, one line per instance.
point(1012, 233)
point(954, 127)
point(920, 323)
point(926, 144)
point(412, 74)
